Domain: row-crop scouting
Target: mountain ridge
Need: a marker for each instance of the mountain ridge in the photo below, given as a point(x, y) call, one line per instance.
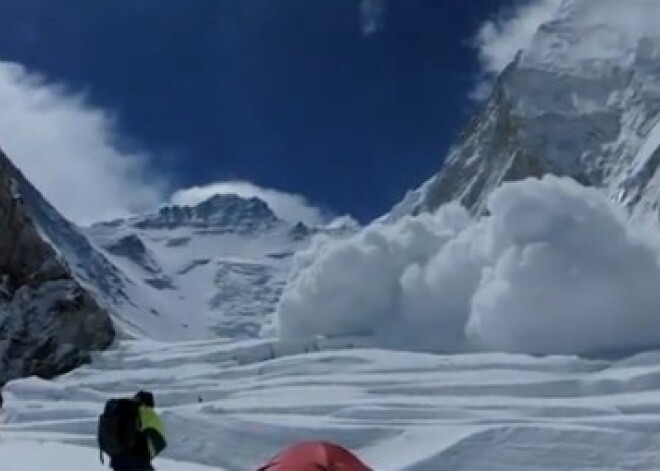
point(49, 322)
point(581, 101)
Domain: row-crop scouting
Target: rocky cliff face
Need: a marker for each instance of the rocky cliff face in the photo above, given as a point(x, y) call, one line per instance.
point(583, 100)
point(49, 323)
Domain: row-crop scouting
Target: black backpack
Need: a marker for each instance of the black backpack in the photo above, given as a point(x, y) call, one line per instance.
point(118, 428)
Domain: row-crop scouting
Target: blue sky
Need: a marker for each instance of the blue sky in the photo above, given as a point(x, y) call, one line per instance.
point(307, 97)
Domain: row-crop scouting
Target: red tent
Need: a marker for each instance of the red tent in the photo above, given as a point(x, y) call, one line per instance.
point(315, 456)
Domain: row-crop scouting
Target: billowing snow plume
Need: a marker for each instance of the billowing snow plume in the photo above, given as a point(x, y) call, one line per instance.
point(499, 40)
point(554, 268)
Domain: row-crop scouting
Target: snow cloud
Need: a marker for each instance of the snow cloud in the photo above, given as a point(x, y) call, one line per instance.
point(69, 150)
point(554, 268)
point(289, 207)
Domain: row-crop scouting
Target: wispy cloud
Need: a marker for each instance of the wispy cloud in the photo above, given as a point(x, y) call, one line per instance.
point(69, 149)
point(286, 206)
point(372, 14)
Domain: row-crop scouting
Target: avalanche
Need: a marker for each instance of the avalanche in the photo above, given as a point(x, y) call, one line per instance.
point(553, 267)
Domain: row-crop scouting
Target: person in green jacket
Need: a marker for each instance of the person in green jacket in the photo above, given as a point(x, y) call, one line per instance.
point(151, 425)
point(150, 438)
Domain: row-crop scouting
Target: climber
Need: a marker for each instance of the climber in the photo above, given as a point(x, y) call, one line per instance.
point(131, 433)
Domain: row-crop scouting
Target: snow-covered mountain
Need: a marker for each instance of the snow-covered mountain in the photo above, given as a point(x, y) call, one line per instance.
point(49, 322)
point(213, 269)
point(553, 268)
point(582, 100)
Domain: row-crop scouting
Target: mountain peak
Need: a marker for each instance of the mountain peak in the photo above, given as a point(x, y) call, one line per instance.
point(221, 212)
point(232, 203)
point(581, 101)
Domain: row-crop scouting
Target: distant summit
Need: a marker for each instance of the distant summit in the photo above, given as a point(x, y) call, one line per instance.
point(225, 213)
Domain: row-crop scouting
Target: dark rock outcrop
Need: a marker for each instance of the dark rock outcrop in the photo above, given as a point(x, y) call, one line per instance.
point(218, 214)
point(49, 323)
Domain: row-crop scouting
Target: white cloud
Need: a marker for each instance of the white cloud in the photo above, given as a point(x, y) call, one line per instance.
point(68, 150)
point(554, 268)
point(286, 206)
point(372, 15)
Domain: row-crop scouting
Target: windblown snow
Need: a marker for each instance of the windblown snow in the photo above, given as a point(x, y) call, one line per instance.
point(553, 268)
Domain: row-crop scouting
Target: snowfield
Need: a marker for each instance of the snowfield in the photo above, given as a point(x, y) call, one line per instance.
point(24, 455)
point(396, 410)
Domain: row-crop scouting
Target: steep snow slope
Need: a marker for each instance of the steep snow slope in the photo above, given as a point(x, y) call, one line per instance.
point(582, 100)
point(398, 411)
point(215, 269)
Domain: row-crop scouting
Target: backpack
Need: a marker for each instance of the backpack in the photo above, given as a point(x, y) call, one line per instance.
point(118, 428)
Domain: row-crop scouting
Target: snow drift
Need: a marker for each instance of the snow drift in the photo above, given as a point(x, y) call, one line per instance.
point(554, 267)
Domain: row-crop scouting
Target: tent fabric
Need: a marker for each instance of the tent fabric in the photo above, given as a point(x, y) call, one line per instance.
point(315, 456)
